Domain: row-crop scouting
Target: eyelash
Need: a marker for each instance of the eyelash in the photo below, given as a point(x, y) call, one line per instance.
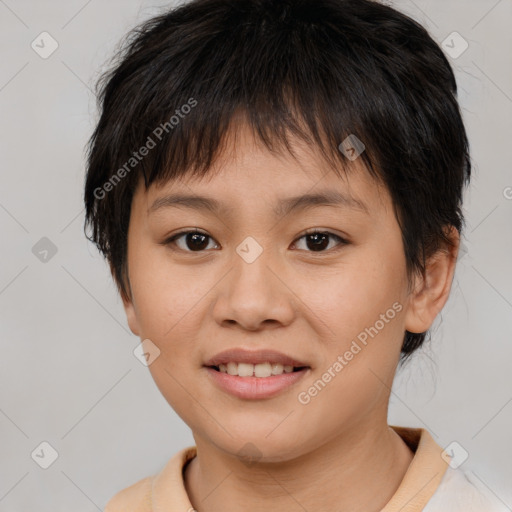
point(171, 240)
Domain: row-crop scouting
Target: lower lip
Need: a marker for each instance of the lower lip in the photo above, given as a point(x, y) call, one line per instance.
point(255, 388)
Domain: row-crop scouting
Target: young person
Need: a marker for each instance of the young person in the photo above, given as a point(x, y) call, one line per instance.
point(277, 187)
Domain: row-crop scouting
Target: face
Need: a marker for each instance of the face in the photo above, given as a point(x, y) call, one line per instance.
point(254, 277)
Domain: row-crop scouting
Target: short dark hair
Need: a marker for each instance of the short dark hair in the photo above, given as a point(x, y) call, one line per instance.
point(319, 70)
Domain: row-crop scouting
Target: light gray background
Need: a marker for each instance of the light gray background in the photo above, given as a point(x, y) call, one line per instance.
point(68, 373)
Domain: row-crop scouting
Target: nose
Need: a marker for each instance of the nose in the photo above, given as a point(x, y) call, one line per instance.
point(255, 294)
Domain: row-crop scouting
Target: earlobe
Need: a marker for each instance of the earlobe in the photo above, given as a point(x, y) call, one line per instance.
point(432, 290)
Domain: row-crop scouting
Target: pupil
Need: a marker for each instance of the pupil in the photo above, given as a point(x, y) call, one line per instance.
point(319, 243)
point(196, 237)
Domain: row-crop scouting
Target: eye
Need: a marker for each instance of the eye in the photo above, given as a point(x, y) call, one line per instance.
point(194, 241)
point(318, 241)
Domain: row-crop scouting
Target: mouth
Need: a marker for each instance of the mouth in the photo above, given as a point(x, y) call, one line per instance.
point(251, 374)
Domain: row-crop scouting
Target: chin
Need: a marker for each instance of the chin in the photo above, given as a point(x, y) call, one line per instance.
point(258, 449)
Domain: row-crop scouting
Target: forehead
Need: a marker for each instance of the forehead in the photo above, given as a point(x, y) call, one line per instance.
point(246, 172)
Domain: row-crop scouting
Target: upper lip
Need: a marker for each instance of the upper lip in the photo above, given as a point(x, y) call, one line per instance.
point(241, 355)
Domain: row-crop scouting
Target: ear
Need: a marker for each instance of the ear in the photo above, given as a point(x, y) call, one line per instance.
point(432, 291)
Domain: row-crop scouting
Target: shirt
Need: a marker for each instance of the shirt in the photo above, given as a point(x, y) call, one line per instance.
point(429, 484)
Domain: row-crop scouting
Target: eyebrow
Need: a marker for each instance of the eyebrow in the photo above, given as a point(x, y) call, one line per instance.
point(284, 206)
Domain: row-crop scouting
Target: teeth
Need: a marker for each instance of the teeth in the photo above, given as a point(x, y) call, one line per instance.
point(277, 369)
point(256, 370)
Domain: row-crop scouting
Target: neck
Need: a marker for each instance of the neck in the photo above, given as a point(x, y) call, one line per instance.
point(360, 469)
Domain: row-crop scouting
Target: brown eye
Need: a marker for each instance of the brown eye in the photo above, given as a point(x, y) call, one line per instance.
point(318, 241)
point(193, 241)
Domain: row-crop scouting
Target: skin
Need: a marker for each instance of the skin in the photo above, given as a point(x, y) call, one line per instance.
point(309, 304)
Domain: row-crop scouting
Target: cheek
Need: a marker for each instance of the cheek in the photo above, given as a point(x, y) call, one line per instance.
point(165, 295)
point(352, 297)
point(362, 305)
point(378, 279)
